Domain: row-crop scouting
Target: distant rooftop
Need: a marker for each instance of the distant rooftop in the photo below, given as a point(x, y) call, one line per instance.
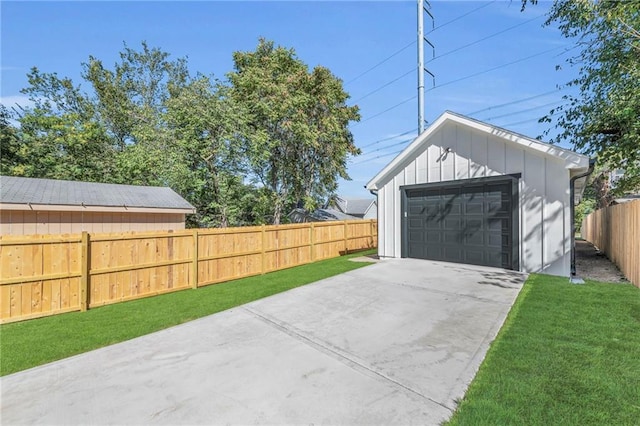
point(19, 190)
point(354, 206)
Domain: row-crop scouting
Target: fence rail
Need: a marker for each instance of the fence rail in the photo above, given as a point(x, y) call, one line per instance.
point(615, 230)
point(50, 274)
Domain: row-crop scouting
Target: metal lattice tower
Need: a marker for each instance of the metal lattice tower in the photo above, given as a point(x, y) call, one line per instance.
point(423, 7)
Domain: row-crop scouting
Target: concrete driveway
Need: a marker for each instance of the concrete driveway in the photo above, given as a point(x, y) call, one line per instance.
point(397, 342)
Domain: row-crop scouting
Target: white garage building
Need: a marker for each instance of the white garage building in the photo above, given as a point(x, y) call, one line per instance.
point(469, 192)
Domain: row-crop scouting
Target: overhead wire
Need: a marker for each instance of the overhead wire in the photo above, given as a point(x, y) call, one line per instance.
point(485, 38)
point(526, 121)
point(375, 158)
point(389, 146)
point(514, 102)
point(524, 110)
point(494, 68)
point(411, 71)
point(397, 52)
point(459, 80)
point(462, 16)
point(386, 110)
point(388, 138)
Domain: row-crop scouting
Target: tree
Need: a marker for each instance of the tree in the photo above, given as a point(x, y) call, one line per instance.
point(604, 119)
point(59, 138)
point(9, 143)
point(296, 139)
point(205, 163)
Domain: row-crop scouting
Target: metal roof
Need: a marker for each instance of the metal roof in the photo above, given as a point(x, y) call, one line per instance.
point(19, 190)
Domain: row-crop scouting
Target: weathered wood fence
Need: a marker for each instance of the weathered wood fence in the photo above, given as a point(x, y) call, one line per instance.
point(615, 231)
point(50, 274)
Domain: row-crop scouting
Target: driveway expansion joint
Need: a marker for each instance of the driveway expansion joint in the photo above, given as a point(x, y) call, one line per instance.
point(337, 353)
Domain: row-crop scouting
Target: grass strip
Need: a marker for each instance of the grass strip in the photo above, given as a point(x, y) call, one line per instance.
point(35, 342)
point(568, 354)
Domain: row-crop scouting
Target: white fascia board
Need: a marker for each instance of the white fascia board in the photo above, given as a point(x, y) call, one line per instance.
point(570, 159)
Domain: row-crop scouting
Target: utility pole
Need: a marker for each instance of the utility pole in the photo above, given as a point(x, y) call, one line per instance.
point(421, 68)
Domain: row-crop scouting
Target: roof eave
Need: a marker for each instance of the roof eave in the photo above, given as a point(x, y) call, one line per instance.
point(572, 160)
point(85, 208)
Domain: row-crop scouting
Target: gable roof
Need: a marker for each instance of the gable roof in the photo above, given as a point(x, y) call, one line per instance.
point(572, 160)
point(354, 206)
point(69, 195)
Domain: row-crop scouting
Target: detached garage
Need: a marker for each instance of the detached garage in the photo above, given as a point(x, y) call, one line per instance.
point(469, 192)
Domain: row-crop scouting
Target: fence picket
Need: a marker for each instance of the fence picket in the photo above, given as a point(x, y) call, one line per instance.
point(50, 274)
point(615, 231)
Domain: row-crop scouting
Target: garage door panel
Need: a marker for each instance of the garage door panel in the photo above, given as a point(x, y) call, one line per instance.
point(463, 223)
point(433, 237)
point(415, 223)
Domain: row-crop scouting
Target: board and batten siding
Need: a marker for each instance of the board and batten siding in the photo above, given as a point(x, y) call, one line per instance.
point(544, 207)
point(28, 222)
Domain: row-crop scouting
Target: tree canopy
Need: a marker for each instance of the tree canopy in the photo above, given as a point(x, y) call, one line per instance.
point(604, 118)
point(242, 151)
point(297, 139)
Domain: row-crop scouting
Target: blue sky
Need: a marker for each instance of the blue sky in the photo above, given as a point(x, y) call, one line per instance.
point(487, 54)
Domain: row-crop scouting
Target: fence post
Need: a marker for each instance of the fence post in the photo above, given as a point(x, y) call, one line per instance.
point(84, 271)
point(346, 241)
point(311, 239)
point(263, 254)
point(371, 233)
point(194, 265)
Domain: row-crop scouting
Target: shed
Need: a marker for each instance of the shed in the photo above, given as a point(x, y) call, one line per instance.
point(469, 192)
point(47, 206)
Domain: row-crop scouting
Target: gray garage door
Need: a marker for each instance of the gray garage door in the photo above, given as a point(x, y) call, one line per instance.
point(468, 221)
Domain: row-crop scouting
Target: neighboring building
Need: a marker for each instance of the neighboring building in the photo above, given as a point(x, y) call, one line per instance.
point(300, 215)
point(469, 192)
point(324, 215)
point(47, 206)
point(363, 208)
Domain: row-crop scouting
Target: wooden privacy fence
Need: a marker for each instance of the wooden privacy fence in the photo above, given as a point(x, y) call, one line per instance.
point(50, 274)
point(615, 230)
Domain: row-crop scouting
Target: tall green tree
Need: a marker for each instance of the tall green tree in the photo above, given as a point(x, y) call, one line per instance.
point(296, 138)
point(206, 162)
point(604, 119)
point(59, 137)
point(9, 143)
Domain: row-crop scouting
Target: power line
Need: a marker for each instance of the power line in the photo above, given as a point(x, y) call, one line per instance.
point(514, 102)
point(384, 85)
point(462, 16)
point(486, 38)
point(387, 110)
point(375, 158)
point(381, 62)
point(525, 121)
point(523, 110)
point(495, 68)
point(402, 49)
point(387, 147)
point(388, 139)
point(459, 80)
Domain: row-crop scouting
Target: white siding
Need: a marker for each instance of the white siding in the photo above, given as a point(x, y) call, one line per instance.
point(543, 200)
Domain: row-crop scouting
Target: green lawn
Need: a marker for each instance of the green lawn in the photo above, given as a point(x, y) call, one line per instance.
point(567, 355)
point(30, 343)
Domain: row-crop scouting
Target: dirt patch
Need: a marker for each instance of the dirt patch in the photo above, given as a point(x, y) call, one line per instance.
point(593, 264)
